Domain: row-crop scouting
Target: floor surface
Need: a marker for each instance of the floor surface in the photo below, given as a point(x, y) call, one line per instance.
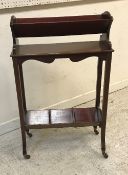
point(71, 151)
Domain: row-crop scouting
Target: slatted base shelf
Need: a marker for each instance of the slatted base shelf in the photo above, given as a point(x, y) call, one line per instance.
point(58, 118)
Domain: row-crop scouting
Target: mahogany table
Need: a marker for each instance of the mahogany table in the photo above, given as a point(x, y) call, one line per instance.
point(75, 51)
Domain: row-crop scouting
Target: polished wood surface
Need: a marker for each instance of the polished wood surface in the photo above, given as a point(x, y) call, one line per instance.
point(57, 118)
point(86, 115)
point(58, 49)
point(60, 26)
point(39, 117)
point(61, 116)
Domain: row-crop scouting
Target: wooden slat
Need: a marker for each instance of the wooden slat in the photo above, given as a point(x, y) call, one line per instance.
point(91, 115)
point(37, 117)
point(63, 118)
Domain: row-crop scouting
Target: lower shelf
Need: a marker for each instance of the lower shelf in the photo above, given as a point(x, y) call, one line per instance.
point(58, 118)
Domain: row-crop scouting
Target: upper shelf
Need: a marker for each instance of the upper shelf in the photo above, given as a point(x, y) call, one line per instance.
point(60, 26)
point(61, 19)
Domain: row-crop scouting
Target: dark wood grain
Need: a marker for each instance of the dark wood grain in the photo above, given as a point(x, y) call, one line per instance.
point(37, 117)
point(58, 49)
point(60, 26)
point(63, 118)
point(89, 115)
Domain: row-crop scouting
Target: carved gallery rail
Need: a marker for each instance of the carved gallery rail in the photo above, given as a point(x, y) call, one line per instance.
point(75, 51)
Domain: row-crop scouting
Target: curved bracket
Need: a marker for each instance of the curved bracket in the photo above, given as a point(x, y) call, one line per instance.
point(50, 59)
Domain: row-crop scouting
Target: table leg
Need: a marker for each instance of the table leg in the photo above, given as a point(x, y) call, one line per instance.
point(105, 104)
point(20, 104)
point(23, 95)
point(98, 87)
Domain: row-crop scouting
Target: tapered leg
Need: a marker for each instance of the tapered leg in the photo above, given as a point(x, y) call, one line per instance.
point(98, 87)
point(22, 87)
point(23, 95)
point(105, 104)
point(20, 104)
